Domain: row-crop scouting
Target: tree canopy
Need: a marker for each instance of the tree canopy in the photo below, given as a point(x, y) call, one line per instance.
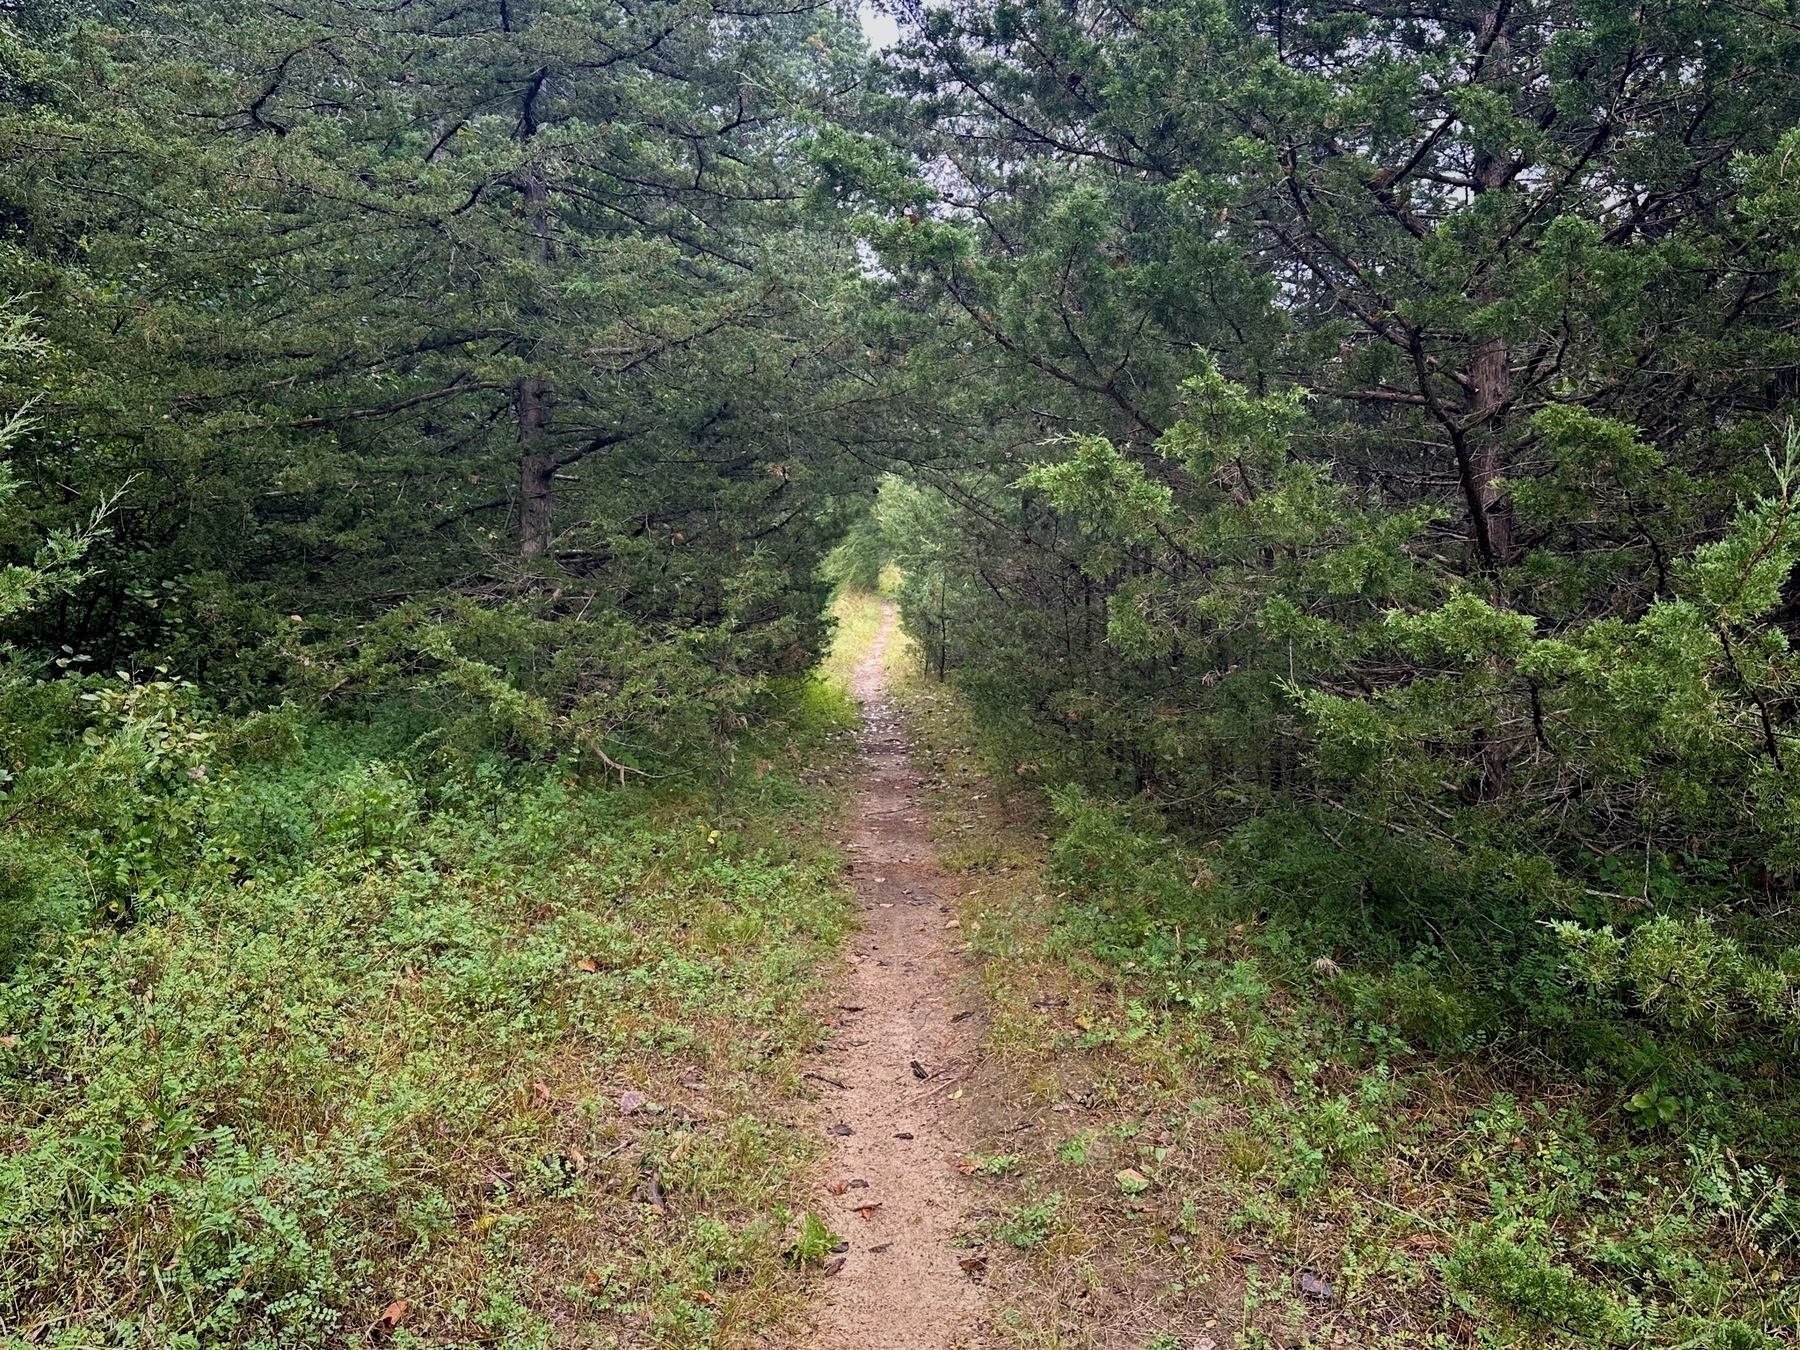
point(1347, 445)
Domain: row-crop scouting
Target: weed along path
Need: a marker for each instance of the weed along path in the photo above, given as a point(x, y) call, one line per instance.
point(892, 1104)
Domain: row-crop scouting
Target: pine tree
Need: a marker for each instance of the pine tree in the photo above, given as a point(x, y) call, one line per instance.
point(367, 295)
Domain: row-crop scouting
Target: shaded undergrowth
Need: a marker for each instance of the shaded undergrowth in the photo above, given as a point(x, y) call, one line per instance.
point(1233, 1141)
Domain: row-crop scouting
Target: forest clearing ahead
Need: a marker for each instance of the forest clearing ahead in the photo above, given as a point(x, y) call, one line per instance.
point(1031, 673)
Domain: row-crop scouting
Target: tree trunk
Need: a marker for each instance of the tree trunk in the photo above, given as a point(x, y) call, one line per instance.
point(1491, 378)
point(537, 463)
point(537, 467)
point(1490, 371)
point(1490, 389)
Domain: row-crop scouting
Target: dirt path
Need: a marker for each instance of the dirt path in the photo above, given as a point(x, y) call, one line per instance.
point(901, 1048)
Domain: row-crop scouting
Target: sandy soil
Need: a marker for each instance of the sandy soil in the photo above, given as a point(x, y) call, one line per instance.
point(892, 1105)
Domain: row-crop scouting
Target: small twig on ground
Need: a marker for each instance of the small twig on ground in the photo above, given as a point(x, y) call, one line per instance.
point(933, 1090)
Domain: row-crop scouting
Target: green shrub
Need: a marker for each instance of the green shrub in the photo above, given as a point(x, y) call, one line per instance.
point(1520, 1280)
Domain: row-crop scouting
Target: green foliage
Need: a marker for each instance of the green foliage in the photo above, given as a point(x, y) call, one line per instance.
point(1641, 1227)
point(368, 307)
point(1098, 485)
point(1328, 453)
point(1030, 1225)
point(813, 1241)
point(1524, 1283)
point(857, 561)
point(306, 1060)
point(542, 680)
point(994, 1164)
point(1320, 486)
point(1686, 974)
point(54, 567)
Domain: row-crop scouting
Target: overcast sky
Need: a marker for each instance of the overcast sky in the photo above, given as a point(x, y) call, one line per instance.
point(879, 28)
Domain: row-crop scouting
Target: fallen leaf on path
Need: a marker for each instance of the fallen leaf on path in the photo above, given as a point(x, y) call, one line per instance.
point(838, 1187)
point(498, 1179)
point(904, 1134)
point(834, 1265)
point(390, 1317)
point(881, 1246)
point(858, 1184)
point(850, 1007)
point(840, 1129)
point(868, 1211)
point(919, 1070)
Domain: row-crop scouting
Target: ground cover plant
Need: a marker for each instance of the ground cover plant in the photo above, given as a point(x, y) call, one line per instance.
point(495, 1057)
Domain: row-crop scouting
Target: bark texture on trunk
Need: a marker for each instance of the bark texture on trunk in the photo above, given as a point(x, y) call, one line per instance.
point(1491, 378)
point(1490, 372)
point(1490, 391)
point(537, 462)
point(537, 467)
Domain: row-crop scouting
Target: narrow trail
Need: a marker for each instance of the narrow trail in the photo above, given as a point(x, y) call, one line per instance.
point(901, 1050)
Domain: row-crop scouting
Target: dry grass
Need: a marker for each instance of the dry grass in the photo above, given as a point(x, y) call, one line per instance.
point(858, 616)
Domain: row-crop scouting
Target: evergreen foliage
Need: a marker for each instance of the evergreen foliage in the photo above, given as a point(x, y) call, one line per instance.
point(1385, 468)
point(1344, 453)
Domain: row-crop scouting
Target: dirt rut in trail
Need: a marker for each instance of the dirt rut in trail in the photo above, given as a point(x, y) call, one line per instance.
point(903, 1044)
